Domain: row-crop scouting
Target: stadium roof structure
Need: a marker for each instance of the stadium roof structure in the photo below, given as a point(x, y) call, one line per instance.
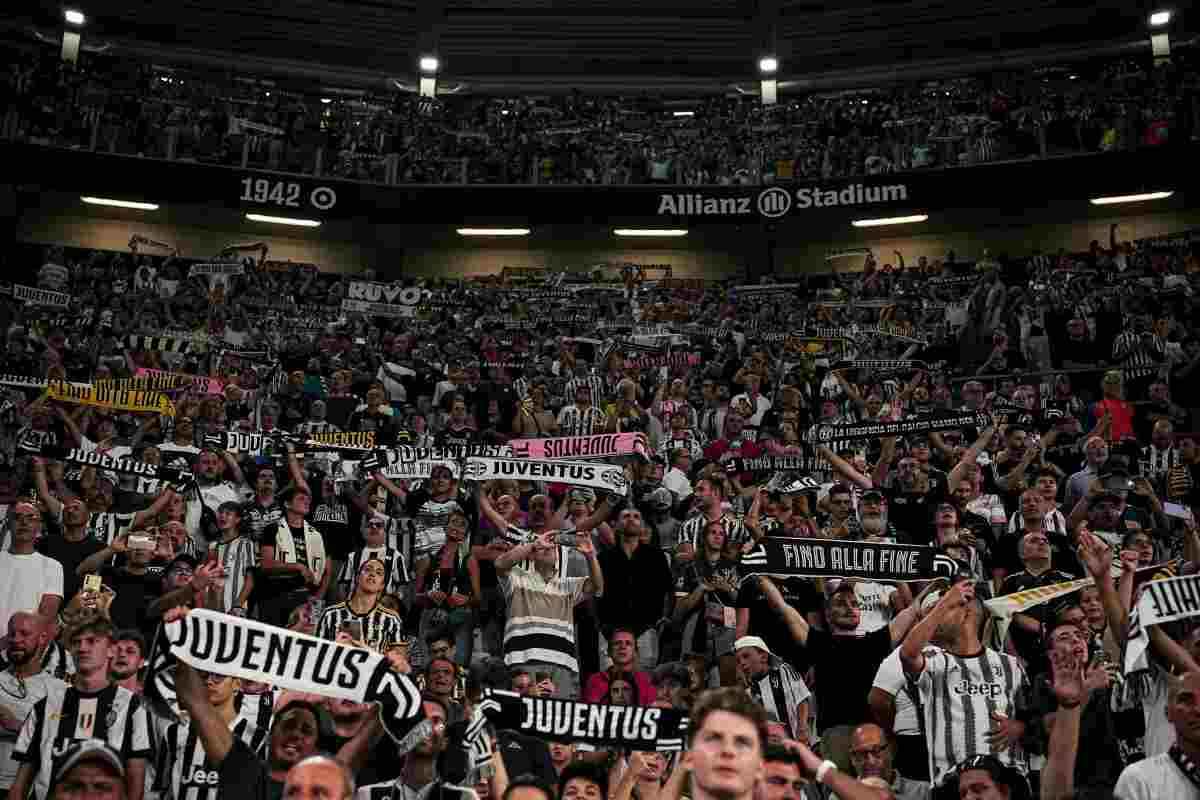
point(526, 45)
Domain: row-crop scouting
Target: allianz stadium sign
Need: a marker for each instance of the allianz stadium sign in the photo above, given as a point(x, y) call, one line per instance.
point(776, 201)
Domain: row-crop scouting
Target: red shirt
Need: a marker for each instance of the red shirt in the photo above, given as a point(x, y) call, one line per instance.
point(1122, 418)
point(597, 687)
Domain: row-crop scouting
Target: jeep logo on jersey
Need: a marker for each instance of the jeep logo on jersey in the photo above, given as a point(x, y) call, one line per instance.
point(200, 777)
point(989, 690)
point(775, 202)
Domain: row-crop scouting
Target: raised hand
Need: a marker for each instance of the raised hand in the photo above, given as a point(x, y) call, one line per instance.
point(1067, 681)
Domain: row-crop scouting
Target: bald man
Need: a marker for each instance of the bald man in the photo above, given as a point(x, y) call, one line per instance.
point(319, 778)
point(872, 752)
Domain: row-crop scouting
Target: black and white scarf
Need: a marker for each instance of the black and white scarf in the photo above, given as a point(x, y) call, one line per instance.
point(872, 429)
point(606, 727)
point(243, 648)
point(95, 458)
point(161, 344)
point(572, 473)
point(834, 558)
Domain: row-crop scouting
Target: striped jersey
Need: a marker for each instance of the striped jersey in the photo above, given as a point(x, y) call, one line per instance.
point(66, 715)
point(541, 618)
point(238, 557)
point(593, 382)
point(1138, 359)
point(781, 691)
point(589, 421)
point(395, 569)
point(958, 697)
point(186, 769)
point(380, 625)
point(692, 530)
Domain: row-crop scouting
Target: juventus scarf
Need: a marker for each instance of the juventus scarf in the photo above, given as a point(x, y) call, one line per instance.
point(764, 464)
point(663, 360)
point(572, 473)
point(406, 470)
point(40, 297)
point(251, 444)
point(452, 452)
point(881, 365)
point(1004, 607)
point(182, 380)
point(113, 398)
point(93, 458)
point(871, 429)
point(162, 344)
point(254, 651)
point(605, 445)
point(606, 727)
point(219, 268)
point(833, 558)
point(31, 382)
point(1160, 601)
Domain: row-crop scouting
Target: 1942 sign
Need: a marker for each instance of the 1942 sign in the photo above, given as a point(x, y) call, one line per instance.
point(287, 194)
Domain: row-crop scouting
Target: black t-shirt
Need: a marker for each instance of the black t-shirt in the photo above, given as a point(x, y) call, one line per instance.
point(455, 437)
point(256, 519)
point(70, 555)
point(334, 520)
point(800, 594)
point(845, 670)
point(1028, 645)
point(912, 514)
point(134, 594)
point(242, 774)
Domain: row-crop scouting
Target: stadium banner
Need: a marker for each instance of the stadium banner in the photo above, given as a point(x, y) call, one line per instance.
point(40, 297)
point(572, 473)
point(871, 429)
point(378, 309)
point(815, 201)
point(601, 446)
point(1159, 601)
point(781, 557)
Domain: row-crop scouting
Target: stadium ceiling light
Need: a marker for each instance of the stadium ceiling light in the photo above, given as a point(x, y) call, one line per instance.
point(74, 17)
point(683, 113)
point(651, 232)
point(1129, 198)
point(326, 100)
point(108, 201)
point(875, 223)
point(493, 231)
point(294, 221)
point(768, 64)
point(1160, 18)
point(429, 64)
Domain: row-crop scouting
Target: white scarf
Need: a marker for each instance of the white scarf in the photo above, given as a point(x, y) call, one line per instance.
point(314, 546)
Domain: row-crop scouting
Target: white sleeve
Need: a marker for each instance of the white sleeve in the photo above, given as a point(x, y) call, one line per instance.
point(1130, 786)
point(890, 675)
point(54, 578)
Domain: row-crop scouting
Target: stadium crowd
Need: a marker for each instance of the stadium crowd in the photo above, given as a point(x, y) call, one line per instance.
point(881, 530)
point(112, 104)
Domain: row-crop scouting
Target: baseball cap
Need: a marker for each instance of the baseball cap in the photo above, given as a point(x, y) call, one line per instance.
point(750, 641)
point(86, 751)
point(870, 494)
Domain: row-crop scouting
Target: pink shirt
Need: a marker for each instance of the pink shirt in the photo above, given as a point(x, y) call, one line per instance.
point(597, 686)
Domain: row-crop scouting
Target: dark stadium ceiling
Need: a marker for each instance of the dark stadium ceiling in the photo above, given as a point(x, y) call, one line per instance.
point(488, 44)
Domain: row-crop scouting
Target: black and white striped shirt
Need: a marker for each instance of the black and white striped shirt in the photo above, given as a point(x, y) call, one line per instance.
point(593, 382)
point(394, 564)
point(65, 716)
point(781, 691)
point(692, 530)
point(1138, 359)
point(186, 769)
point(958, 697)
point(573, 421)
point(238, 557)
point(380, 625)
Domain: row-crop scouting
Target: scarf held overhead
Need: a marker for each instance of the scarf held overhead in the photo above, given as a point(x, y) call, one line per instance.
point(1160, 601)
point(871, 430)
point(253, 651)
point(831, 558)
point(604, 726)
point(115, 399)
point(572, 473)
point(605, 445)
point(94, 458)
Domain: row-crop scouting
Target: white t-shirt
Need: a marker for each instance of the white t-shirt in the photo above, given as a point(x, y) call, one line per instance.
point(1155, 778)
point(875, 600)
point(23, 581)
point(17, 699)
point(1160, 733)
point(890, 678)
